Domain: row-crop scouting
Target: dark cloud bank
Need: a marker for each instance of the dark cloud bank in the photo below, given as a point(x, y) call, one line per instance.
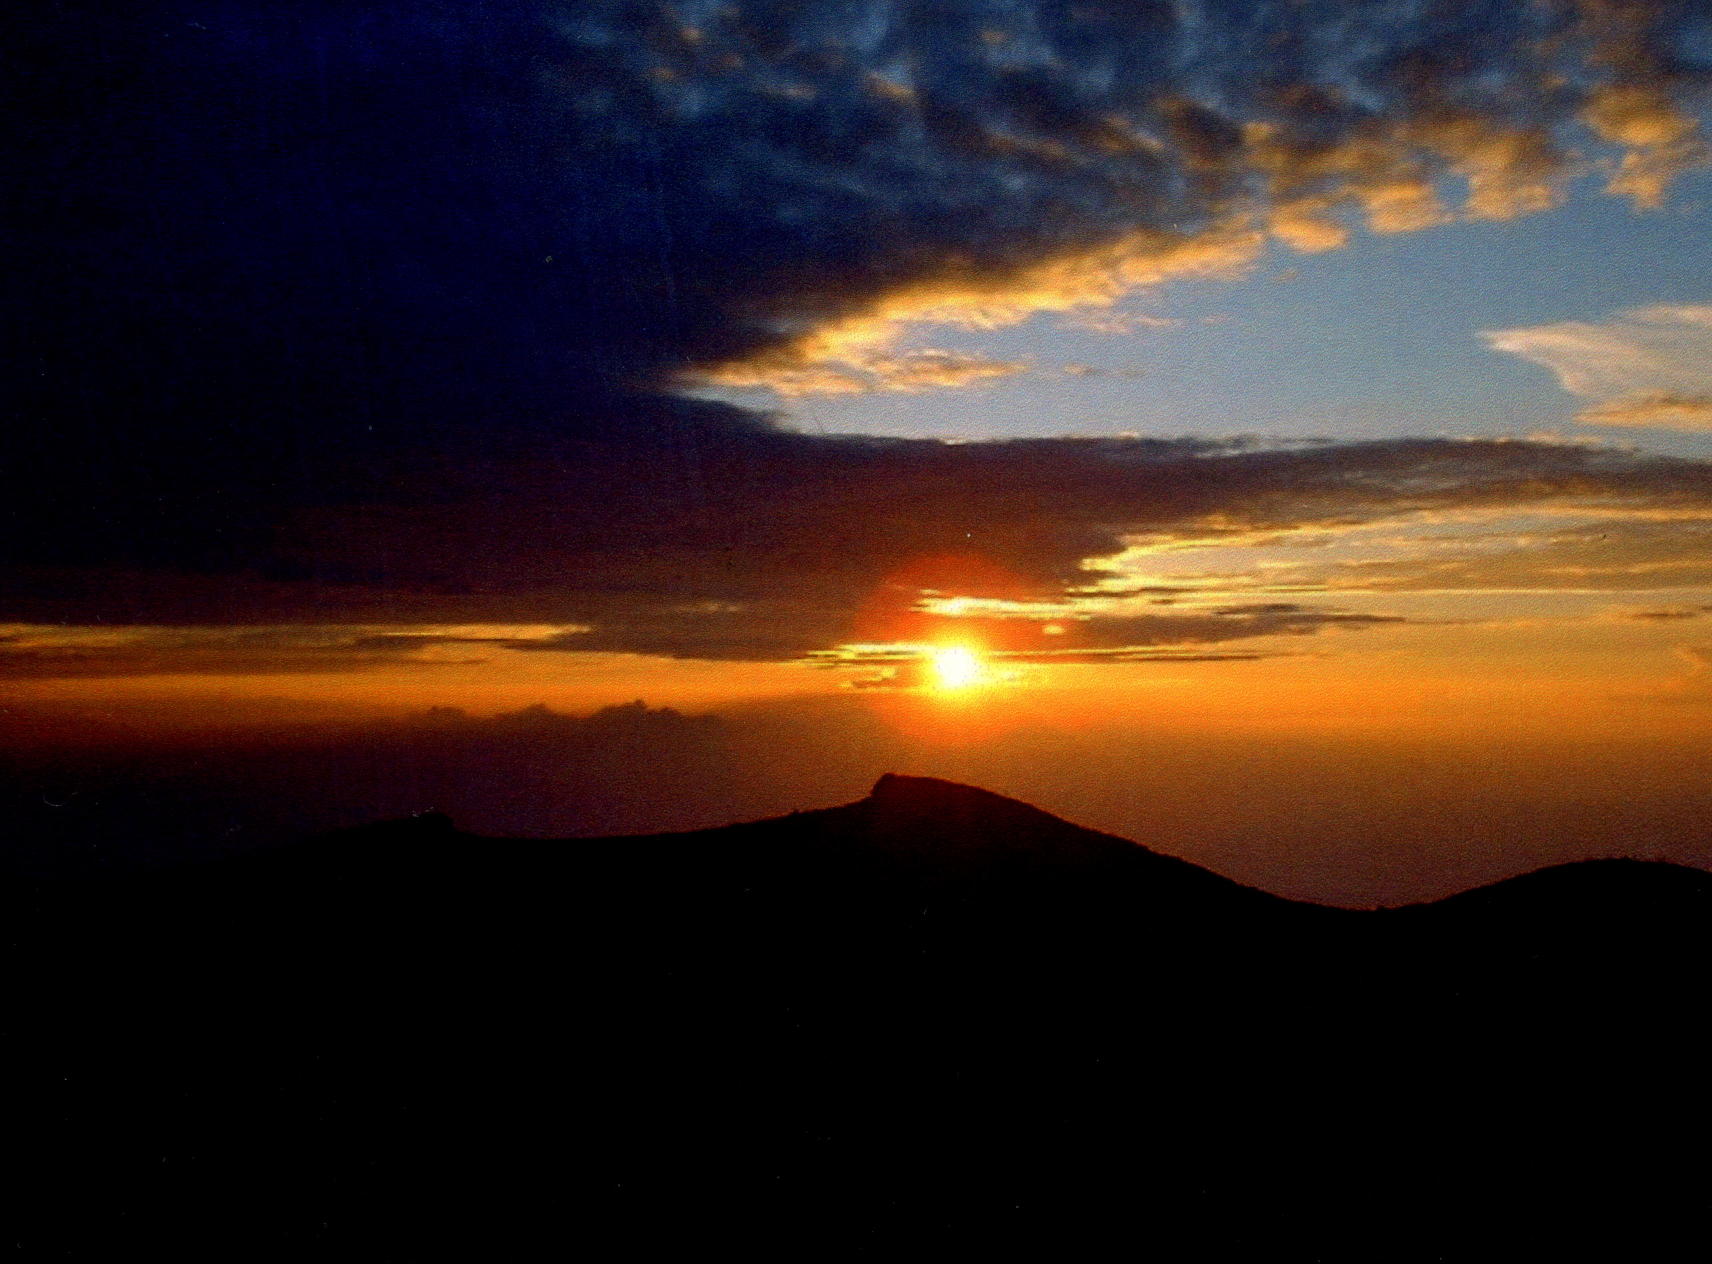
point(383, 314)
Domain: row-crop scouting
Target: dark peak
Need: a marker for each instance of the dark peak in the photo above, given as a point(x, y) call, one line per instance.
point(898, 797)
point(895, 788)
point(949, 826)
point(946, 819)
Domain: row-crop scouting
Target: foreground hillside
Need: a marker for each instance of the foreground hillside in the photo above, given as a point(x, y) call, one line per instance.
point(932, 1019)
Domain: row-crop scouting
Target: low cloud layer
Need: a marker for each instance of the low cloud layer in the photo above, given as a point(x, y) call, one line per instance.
point(788, 545)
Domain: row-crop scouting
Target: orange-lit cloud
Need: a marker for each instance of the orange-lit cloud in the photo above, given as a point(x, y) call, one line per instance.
point(854, 354)
point(1659, 139)
point(1663, 409)
point(859, 371)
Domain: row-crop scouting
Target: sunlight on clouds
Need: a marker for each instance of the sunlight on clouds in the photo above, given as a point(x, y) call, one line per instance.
point(866, 371)
point(1663, 409)
point(963, 607)
point(1303, 186)
point(854, 354)
point(1589, 547)
point(1660, 140)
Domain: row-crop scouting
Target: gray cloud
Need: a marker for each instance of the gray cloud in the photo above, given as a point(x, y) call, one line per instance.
point(58, 651)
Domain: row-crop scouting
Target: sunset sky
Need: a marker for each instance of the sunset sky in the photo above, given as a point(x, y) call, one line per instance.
point(1278, 432)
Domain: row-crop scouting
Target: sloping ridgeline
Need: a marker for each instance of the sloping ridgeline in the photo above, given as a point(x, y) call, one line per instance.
point(935, 1019)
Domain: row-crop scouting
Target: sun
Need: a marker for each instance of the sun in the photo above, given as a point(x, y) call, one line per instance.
point(957, 667)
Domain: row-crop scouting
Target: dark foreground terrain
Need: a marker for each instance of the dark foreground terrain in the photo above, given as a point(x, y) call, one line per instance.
point(934, 1020)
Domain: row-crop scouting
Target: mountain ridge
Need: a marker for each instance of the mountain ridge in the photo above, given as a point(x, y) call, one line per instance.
point(931, 1016)
point(895, 815)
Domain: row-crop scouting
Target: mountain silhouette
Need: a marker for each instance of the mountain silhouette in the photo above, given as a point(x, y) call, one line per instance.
point(935, 1018)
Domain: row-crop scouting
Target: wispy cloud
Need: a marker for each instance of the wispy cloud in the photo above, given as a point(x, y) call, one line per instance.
point(61, 652)
point(1651, 366)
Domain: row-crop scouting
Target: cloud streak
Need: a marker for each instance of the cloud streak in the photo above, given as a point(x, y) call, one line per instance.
point(1663, 409)
point(865, 372)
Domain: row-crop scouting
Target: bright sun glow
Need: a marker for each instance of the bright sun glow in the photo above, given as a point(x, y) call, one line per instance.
point(956, 667)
